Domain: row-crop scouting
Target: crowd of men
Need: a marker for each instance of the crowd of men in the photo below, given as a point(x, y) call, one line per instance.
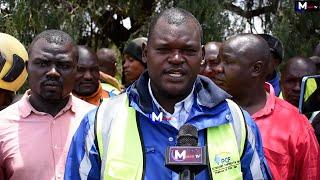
point(77, 121)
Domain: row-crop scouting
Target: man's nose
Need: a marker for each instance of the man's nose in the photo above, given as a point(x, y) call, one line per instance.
point(176, 58)
point(53, 72)
point(87, 75)
point(296, 86)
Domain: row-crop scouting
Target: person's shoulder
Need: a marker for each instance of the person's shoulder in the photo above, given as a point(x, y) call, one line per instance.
point(291, 114)
point(81, 107)
point(285, 109)
point(11, 112)
point(283, 104)
point(81, 103)
point(9, 120)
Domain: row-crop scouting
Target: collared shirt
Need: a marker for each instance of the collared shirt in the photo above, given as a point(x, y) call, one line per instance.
point(181, 109)
point(33, 144)
point(289, 143)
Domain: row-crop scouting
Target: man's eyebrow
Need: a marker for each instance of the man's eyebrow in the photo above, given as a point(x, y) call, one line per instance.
point(40, 59)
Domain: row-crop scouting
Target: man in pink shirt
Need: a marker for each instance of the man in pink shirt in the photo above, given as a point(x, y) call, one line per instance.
point(289, 143)
point(35, 132)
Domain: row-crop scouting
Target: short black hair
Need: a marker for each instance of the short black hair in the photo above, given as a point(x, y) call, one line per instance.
point(174, 16)
point(52, 36)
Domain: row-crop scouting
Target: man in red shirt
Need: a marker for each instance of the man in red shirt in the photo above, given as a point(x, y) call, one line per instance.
point(289, 143)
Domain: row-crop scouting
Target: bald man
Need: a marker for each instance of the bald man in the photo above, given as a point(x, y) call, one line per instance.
point(107, 61)
point(289, 143)
point(212, 51)
point(291, 74)
point(107, 66)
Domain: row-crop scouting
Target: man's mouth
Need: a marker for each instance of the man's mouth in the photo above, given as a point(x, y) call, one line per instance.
point(175, 74)
point(52, 83)
point(86, 84)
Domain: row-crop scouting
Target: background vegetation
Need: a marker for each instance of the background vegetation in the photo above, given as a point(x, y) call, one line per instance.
point(99, 23)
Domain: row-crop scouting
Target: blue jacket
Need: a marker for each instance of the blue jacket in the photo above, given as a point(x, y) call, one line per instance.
point(209, 109)
point(275, 82)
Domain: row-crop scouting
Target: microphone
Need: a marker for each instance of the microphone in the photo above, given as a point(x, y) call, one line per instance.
point(187, 158)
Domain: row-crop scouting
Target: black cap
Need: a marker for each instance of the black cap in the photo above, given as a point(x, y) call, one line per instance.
point(275, 45)
point(134, 48)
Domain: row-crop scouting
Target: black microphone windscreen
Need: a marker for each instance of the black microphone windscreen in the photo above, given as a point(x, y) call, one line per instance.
point(187, 136)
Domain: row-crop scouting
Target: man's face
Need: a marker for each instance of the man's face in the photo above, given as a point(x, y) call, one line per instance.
point(211, 59)
point(51, 70)
point(173, 56)
point(232, 71)
point(132, 69)
point(87, 77)
point(290, 84)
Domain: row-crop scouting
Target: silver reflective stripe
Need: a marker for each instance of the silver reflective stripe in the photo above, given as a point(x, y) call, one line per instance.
point(255, 165)
point(106, 114)
point(85, 164)
point(238, 118)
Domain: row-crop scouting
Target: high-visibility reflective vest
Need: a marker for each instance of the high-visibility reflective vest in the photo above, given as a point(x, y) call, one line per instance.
point(120, 147)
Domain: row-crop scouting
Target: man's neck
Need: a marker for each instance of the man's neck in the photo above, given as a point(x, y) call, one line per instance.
point(50, 107)
point(252, 101)
point(167, 102)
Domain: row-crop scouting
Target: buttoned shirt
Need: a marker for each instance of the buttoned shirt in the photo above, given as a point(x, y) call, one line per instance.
point(181, 109)
point(33, 144)
point(289, 142)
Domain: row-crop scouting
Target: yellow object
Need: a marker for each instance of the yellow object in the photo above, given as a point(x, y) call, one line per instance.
point(13, 55)
point(311, 86)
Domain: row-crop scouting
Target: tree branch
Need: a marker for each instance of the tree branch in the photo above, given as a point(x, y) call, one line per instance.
point(256, 12)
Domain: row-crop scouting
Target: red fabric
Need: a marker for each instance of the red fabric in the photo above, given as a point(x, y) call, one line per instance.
point(289, 142)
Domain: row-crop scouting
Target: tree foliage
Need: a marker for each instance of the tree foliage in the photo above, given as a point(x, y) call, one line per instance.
point(98, 23)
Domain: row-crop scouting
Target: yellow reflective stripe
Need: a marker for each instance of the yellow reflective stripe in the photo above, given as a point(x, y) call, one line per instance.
point(99, 136)
point(223, 153)
point(240, 124)
point(107, 112)
point(124, 159)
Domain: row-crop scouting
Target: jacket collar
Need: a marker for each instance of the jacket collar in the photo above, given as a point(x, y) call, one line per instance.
point(206, 92)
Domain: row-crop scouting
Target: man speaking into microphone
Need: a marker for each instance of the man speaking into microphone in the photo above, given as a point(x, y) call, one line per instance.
point(127, 136)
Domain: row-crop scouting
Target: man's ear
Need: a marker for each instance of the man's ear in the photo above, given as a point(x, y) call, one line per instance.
point(203, 52)
point(144, 53)
point(257, 69)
